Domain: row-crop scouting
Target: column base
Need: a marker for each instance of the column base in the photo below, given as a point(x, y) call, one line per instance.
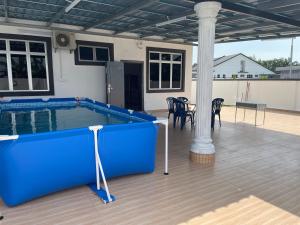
point(203, 159)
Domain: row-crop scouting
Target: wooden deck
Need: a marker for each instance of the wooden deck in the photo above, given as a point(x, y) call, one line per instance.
point(255, 180)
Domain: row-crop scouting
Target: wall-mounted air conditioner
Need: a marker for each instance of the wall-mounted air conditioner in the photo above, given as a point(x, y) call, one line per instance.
point(64, 40)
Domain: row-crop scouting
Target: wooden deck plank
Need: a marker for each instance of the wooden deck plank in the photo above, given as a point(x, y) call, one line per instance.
point(255, 180)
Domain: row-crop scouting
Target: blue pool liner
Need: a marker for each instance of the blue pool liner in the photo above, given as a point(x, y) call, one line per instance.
point(35, 165)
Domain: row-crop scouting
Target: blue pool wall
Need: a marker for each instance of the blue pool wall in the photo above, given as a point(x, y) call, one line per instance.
point(35, 165)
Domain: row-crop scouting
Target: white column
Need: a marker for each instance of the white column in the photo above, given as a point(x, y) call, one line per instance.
point(207, 13)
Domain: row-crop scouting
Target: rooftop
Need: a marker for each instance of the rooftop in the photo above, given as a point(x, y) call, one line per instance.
point(219, 60)
point(255, 179)
point(167, 20)
point(224, 58)
point(287, 68)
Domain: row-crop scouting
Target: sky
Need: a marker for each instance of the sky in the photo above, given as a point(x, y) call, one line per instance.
point(268, 49)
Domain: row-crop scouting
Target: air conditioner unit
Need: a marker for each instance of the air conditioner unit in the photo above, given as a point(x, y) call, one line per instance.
point(64, 40)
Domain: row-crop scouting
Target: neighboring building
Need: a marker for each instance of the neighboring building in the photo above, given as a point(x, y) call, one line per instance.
point(284, 72)
point(237, 66)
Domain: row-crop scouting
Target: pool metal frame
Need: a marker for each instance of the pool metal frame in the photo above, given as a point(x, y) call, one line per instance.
point(96, 129)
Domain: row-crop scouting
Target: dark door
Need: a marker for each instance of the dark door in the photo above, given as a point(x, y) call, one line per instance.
point(115, 83)
point(133, 85)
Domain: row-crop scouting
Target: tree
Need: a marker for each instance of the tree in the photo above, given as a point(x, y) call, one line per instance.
point(271, 64)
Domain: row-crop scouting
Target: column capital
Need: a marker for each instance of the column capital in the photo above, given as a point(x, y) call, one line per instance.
point(209, 9)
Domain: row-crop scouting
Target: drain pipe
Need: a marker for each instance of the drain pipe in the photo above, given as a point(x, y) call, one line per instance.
point(95, 130)
point(165, 122)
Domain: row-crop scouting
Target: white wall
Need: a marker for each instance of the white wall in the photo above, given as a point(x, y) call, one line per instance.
point(72, 80)
point(277, 94)
point(233, 66)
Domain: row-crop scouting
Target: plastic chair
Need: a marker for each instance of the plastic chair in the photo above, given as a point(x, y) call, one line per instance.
point(217, 104)
point(182, 113)
point(212, 120)
point(184, 99)
point(170, 102)
point(191, 109)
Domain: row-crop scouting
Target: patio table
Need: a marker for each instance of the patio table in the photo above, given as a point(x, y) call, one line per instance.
point(191, 106)
point(251, 105)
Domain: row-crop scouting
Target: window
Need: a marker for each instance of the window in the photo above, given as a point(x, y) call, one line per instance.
point(242, 76)
point(218, 76)
point(243, 65)
point(4, 85)
point(256, 75)
point(93, 53)
point(86, 53)
point(249, 76)
point(165, 70)
point(19, 72)
point(224, 76)
point(25, 65)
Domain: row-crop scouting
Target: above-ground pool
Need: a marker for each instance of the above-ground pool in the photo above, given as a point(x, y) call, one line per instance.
point(48, 145)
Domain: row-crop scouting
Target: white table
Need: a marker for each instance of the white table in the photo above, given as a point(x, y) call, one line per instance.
point(251, 105)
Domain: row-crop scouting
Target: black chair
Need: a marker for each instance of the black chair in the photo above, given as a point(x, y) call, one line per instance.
point(217, 104)
point(184, 99)
point(170, 102)
point(181, 113)
point(189, 107)
point(212, 120)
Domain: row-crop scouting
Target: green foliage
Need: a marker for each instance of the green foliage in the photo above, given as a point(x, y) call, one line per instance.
point(263, 77)
point(234, 76)
point(271, 64)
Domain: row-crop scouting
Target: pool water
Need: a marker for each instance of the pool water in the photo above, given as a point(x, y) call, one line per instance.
point(28, 121)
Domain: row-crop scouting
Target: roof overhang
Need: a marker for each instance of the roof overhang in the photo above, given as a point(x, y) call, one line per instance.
point(167, 20)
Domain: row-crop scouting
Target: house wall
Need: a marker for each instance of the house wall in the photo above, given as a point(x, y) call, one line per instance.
point(89, 81)
point(278, 94)
point(233, 66)
point(285, 74)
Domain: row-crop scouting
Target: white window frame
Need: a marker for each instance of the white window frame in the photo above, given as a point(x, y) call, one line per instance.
point(26, 53)
point(160, 62)
point(94, 53)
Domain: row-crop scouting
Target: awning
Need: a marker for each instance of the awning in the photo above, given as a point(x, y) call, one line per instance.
point(167, 20)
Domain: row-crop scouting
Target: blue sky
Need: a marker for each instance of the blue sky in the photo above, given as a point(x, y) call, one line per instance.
point(268, 49)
